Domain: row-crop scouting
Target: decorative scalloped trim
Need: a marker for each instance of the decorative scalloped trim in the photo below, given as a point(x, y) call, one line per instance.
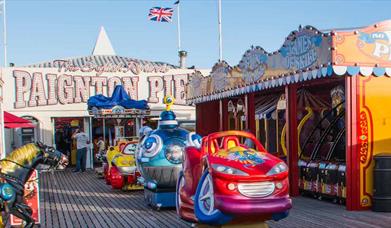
point(299, 77)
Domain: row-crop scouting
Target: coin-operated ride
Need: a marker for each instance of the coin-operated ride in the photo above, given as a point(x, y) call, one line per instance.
point(232, 178)
point(121, 171)
point(14, 176)
point(100, 170)
point(110, 153)
point(160, 157)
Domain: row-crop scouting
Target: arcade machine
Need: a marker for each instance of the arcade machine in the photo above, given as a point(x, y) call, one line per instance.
point(309, 107)
point(160, 156)
point(322, 162)
point(331, 152)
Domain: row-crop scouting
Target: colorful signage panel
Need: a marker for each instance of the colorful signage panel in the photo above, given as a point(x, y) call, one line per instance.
point(303, 49)
point(370, 46)
point(373, 128)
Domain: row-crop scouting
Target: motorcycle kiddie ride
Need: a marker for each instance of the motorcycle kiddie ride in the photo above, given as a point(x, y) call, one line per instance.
point(120, 170)
point(160, 156)
point(226, 180)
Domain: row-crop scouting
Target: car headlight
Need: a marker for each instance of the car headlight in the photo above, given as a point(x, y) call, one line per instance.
point(194, 139)
point(228, 170)
point(279, 168)
point(152, 145)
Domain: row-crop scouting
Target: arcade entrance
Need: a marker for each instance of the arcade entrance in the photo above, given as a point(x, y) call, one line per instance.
point(64, 128)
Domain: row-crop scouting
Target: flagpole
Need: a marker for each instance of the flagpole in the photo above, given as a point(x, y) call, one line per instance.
point(5, 35)
point(2, 155)
point(179, 27)
point(220, 34)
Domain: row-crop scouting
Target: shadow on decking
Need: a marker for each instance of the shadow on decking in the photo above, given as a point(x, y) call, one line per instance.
point(83, 200)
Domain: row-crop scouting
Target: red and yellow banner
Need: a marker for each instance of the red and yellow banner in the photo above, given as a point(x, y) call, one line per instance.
point(373, 124)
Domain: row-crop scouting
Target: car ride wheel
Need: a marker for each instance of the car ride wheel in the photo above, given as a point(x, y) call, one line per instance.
point(178, 201)
point(206, 197)
point(204, 203)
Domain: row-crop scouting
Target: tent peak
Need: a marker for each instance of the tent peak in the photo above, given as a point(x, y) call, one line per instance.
point(103, 44)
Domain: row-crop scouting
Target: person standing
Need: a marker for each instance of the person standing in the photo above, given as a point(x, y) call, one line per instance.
point(82, 142)
point(101, 146)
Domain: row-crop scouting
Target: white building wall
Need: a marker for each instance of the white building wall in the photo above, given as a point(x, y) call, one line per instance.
point(148, 84)
point(8, 140)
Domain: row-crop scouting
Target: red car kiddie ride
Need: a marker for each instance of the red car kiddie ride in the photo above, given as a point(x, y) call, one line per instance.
point(231, 178)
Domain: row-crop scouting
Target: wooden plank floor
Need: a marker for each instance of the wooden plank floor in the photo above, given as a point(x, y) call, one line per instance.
point(308, 212)
point(83, 200)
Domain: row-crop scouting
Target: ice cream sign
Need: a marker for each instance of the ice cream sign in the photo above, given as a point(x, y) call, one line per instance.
point(375, 44)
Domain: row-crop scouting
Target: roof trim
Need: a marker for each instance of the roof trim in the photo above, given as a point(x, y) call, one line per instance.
point(102, 60)
point(322, 72)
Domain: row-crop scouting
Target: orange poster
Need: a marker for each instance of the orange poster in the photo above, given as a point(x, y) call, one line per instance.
point(370, 46)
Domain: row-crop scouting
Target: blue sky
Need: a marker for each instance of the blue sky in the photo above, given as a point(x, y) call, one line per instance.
point(54, 29)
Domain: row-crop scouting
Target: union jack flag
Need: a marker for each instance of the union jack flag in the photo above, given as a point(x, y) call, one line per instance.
point(160, 14)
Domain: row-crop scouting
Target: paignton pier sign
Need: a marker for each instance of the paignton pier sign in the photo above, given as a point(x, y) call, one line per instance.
point(48, 87)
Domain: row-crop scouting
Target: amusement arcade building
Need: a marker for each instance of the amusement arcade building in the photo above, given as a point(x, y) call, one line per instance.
point(53, 94)
point(320, 102)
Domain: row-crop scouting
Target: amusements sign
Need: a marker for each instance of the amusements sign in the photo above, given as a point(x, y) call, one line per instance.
point(370, 46)
point(305, 48)
point(31, 196)
point(196, 87)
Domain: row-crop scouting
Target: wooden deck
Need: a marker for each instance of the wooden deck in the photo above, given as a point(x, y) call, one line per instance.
point(309, 212)
point(83, 200)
